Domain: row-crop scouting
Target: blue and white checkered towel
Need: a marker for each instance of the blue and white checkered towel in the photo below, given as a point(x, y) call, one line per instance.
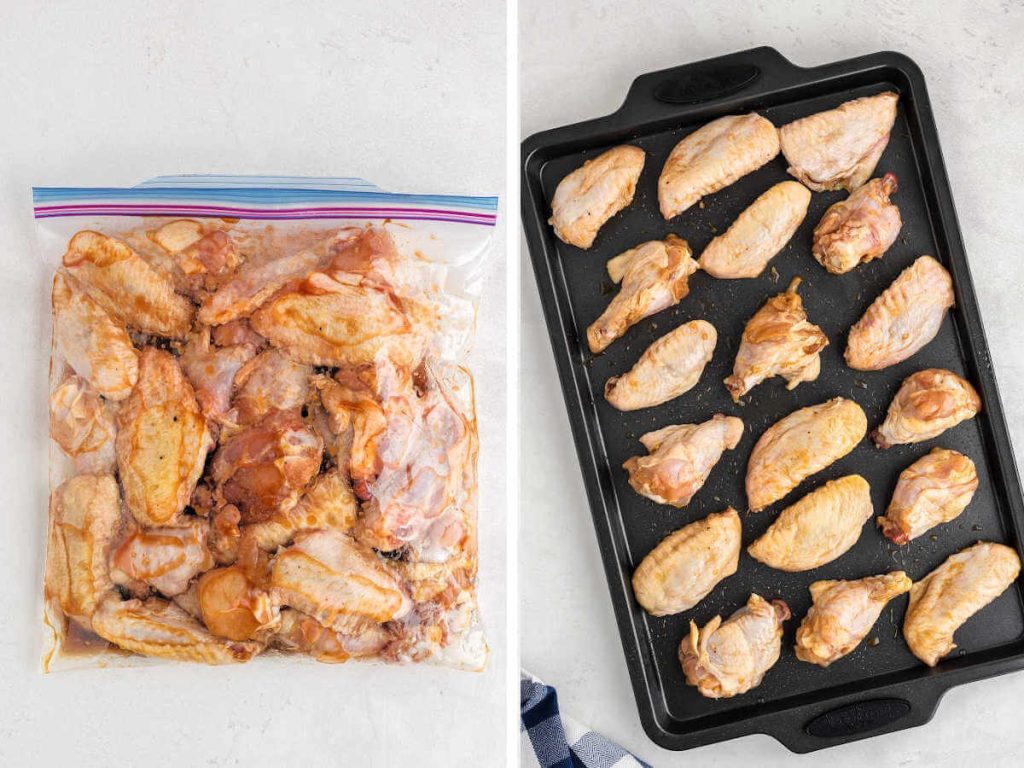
point(549, 740)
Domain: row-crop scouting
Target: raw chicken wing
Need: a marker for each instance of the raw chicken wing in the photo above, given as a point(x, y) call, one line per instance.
point(777, 341)
point(760, 232)
point(357, 422)
point(948, 596)
point(197, 253)
point(684, 568)
point(858, 229)
point(166, 559)
point(669, 367)
point(904, 318)
point(842, 615)
point(304, 633)
point(728, 658)
point(232, 606)
point(329, 503)
point(213, 371)
point(927, 404)
point(799, 445)
point(269, 382)
point(680, 458)
point(651, 277)
point(593, 193)
point(82, 424)
point(713, 157)
point(254, 284)
point(840, 148)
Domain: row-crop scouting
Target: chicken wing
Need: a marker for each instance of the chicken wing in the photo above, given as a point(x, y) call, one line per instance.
point(948, 596)
point(669, 367)
point(161, 442)
point(651, 277)
point(197, 253)
point(127, 287)
point(760, 232)
point(593, 193)
point(232, 606)
point(97, 348)
point(713, 157)
point(213, 371)
point(842, 615)
point(927, 404)
point(858, 229)
point(357, 423)
point(269, 382)
point(336, 581)
point(680, 458)
point(264, 468)
point(777, 341)
point(933, 490)
point(799, 445)
point(728, 658)
point(304, 633)
point(166, 559)
point(82, 424)
point(684, 568)
point(904, 318)
point(155, 627)
point(329, 503)
point(839, 148)
point(85, 521)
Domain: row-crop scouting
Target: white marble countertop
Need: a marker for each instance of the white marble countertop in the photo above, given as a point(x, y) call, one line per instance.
point(114, 93)
point(577, 59)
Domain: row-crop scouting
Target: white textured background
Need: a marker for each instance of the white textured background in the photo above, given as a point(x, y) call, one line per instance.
point(577, 59)
point(410, 97)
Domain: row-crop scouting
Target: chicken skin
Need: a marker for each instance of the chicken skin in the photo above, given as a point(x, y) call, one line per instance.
point(651, 277)
point(166, 559)
point(927, 404)
point(843, 613)
point(760, 232)
point(905, 317)
point(680, 458)
point(777, 341)
point(933, 490)
point(128, 288)
point(725, 659)
point(162, 441)
point(212, 372)
point(713, 157)
point(684, 568)
point(839, 148)
point(668, 368)
point(799, 445)
point(816, 530)
point(357, 423)
point(97, 348)
point(593, 193)
point(269, 382)
point(82, 424)
point(858, 229)
point(329, 503)
point(948, 596)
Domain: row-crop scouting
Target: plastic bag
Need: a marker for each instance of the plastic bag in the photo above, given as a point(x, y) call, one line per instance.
point(263, 436)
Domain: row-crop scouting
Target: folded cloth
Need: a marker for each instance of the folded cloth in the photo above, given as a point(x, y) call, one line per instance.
point(550, 740)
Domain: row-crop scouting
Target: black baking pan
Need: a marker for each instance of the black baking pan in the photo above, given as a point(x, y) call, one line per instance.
point(881, 686)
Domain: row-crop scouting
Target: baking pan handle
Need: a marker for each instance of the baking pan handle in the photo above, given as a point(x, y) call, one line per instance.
point(859, 717)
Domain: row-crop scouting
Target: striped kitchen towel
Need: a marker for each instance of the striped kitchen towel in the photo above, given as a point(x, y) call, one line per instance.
point(550, 740)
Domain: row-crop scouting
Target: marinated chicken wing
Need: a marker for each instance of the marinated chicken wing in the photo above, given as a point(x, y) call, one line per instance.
point(197, 252)
point(269, 382)
point(304, 633)
point(927, 404)
point(777, 341)
point(97, 348)
point(948, 596)
point(166, 559)
point(593, 193)
point(82, 424)
point(161, 442)
point(713, 157)
point(684, 568)
point(680, 458)
point(651, 277)
point(858, 229)
point(155, 627)
point(254, 284)
point(839, 148)
point(128, 288)
point(232, 606)
point(842, 615)
point(329, 503)
point(933, 490)
point(760, 232)
point(264, 468)
point(213, 372)
point(904, 318)
point(816, 530)
point(357, 423)
point(329, 576)
point(85, 521)
point(799, 445)
point(728, 658)
point(669, 367)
